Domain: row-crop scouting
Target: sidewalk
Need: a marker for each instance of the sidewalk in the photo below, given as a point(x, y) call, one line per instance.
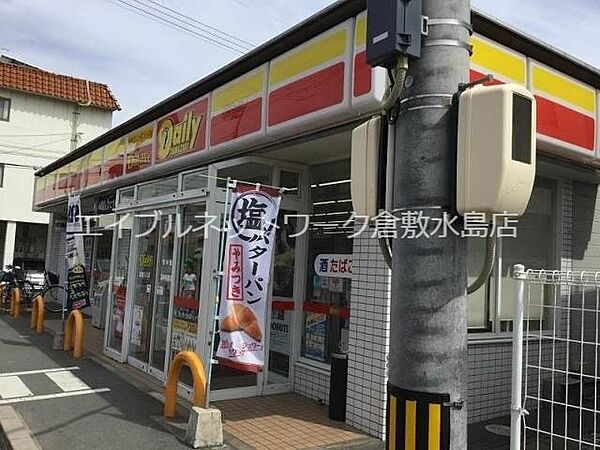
point(96, 403)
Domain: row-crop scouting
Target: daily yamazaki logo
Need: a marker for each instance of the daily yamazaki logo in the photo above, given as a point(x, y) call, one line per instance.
point(138, 160)
point(175, 138)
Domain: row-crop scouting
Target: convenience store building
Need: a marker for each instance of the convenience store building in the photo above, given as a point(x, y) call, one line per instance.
point(283, 116)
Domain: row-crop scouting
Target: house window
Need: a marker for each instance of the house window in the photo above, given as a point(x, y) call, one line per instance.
point(534, 247)
point(4, 109)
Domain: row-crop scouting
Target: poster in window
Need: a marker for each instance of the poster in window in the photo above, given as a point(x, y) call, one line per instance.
point(77, 282)
point(185, 323)
point(281, 325)
point(247, 264)
point(315, 336)
point(136, 325)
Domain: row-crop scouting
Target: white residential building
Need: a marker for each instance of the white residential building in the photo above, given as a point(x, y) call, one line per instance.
point(43, 116)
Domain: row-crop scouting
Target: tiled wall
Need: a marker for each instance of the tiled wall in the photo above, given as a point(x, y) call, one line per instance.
point(488, 381)
point(312, 383)
point(369, 337)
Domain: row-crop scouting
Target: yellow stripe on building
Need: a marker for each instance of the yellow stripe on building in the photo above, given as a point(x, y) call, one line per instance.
point(392, 424)
point(410, 438)
point(313, 55)
point(360, 35)
point(75, 167)
point(114, 149)
point(564, 89)
point(435, 427)
point(499, 61)
point(238, 91)
point(96, 157)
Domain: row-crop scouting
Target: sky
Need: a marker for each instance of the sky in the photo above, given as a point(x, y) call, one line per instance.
point(145, 62)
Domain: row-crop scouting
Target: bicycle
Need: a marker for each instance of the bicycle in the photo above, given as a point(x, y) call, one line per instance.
point(55, 295)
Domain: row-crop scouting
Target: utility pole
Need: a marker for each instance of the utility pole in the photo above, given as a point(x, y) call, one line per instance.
point(428, 345)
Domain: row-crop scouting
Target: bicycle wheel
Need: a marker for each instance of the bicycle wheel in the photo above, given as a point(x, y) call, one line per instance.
point(28, 292)
point(55, 298)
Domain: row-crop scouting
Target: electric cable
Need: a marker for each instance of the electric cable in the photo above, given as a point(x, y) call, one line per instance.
point(174, 25)
point(217, 32)
point(33, 135)
point(488, 265)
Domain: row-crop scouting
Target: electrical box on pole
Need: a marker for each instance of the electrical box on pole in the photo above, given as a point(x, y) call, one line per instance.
point(496, 149)
point(366, 145)
point(394, 29)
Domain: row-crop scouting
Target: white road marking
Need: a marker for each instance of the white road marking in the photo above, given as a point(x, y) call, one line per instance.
point(31, 372)
point(66, 381)
point(52, 396)
point(13, 387)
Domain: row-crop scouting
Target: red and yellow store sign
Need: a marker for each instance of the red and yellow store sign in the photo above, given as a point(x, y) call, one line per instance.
point(182, 132)
point(312, 82)
point(139, 149)
point(114, 159)
point(237, 109)
point(322, 82)
point(566, 109)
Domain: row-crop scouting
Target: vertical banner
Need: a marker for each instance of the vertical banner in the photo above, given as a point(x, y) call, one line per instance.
point(77, 284)
point(247, 271)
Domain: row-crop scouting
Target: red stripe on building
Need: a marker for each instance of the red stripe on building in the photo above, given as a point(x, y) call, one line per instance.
point(113, 167)
point(187, 303)
point(309, 94)
point(280, 305)
point(236, 122)
point(330, 310)
point(475, 75)
point(363, 75)
point(92, 177)
point(75, 181)
point(565, 124)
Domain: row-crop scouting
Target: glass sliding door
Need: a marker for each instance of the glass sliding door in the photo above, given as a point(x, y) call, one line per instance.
point(143, 289)
point(186, 303)
point(162, 293)
point(118, 285)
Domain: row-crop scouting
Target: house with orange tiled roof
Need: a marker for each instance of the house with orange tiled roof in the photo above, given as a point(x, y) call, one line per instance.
point(43, 116)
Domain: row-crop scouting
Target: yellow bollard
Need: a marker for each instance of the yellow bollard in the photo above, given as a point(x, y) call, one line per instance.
point(15, 304)
point(38, 313)
point(74, 339)
point(199, 379)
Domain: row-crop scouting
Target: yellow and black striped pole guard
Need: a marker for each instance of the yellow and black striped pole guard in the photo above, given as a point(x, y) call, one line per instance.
point(417, 420)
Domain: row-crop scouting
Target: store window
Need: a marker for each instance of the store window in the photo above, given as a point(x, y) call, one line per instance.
point(534, 247)
point(250, 172)
point(195, 180)
point(327, 304)
point(158, 188)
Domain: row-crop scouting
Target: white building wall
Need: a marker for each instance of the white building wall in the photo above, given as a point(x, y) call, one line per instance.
point(38, 132)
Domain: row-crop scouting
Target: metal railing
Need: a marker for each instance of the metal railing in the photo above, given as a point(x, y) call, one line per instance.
point(555, 383)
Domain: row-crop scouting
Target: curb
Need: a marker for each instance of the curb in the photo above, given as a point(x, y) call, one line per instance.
point(14, 433)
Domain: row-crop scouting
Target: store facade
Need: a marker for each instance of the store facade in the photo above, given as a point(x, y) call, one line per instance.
point(156, 191)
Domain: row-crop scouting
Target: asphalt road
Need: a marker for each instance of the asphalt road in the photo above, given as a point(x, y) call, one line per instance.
point(90, 407)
